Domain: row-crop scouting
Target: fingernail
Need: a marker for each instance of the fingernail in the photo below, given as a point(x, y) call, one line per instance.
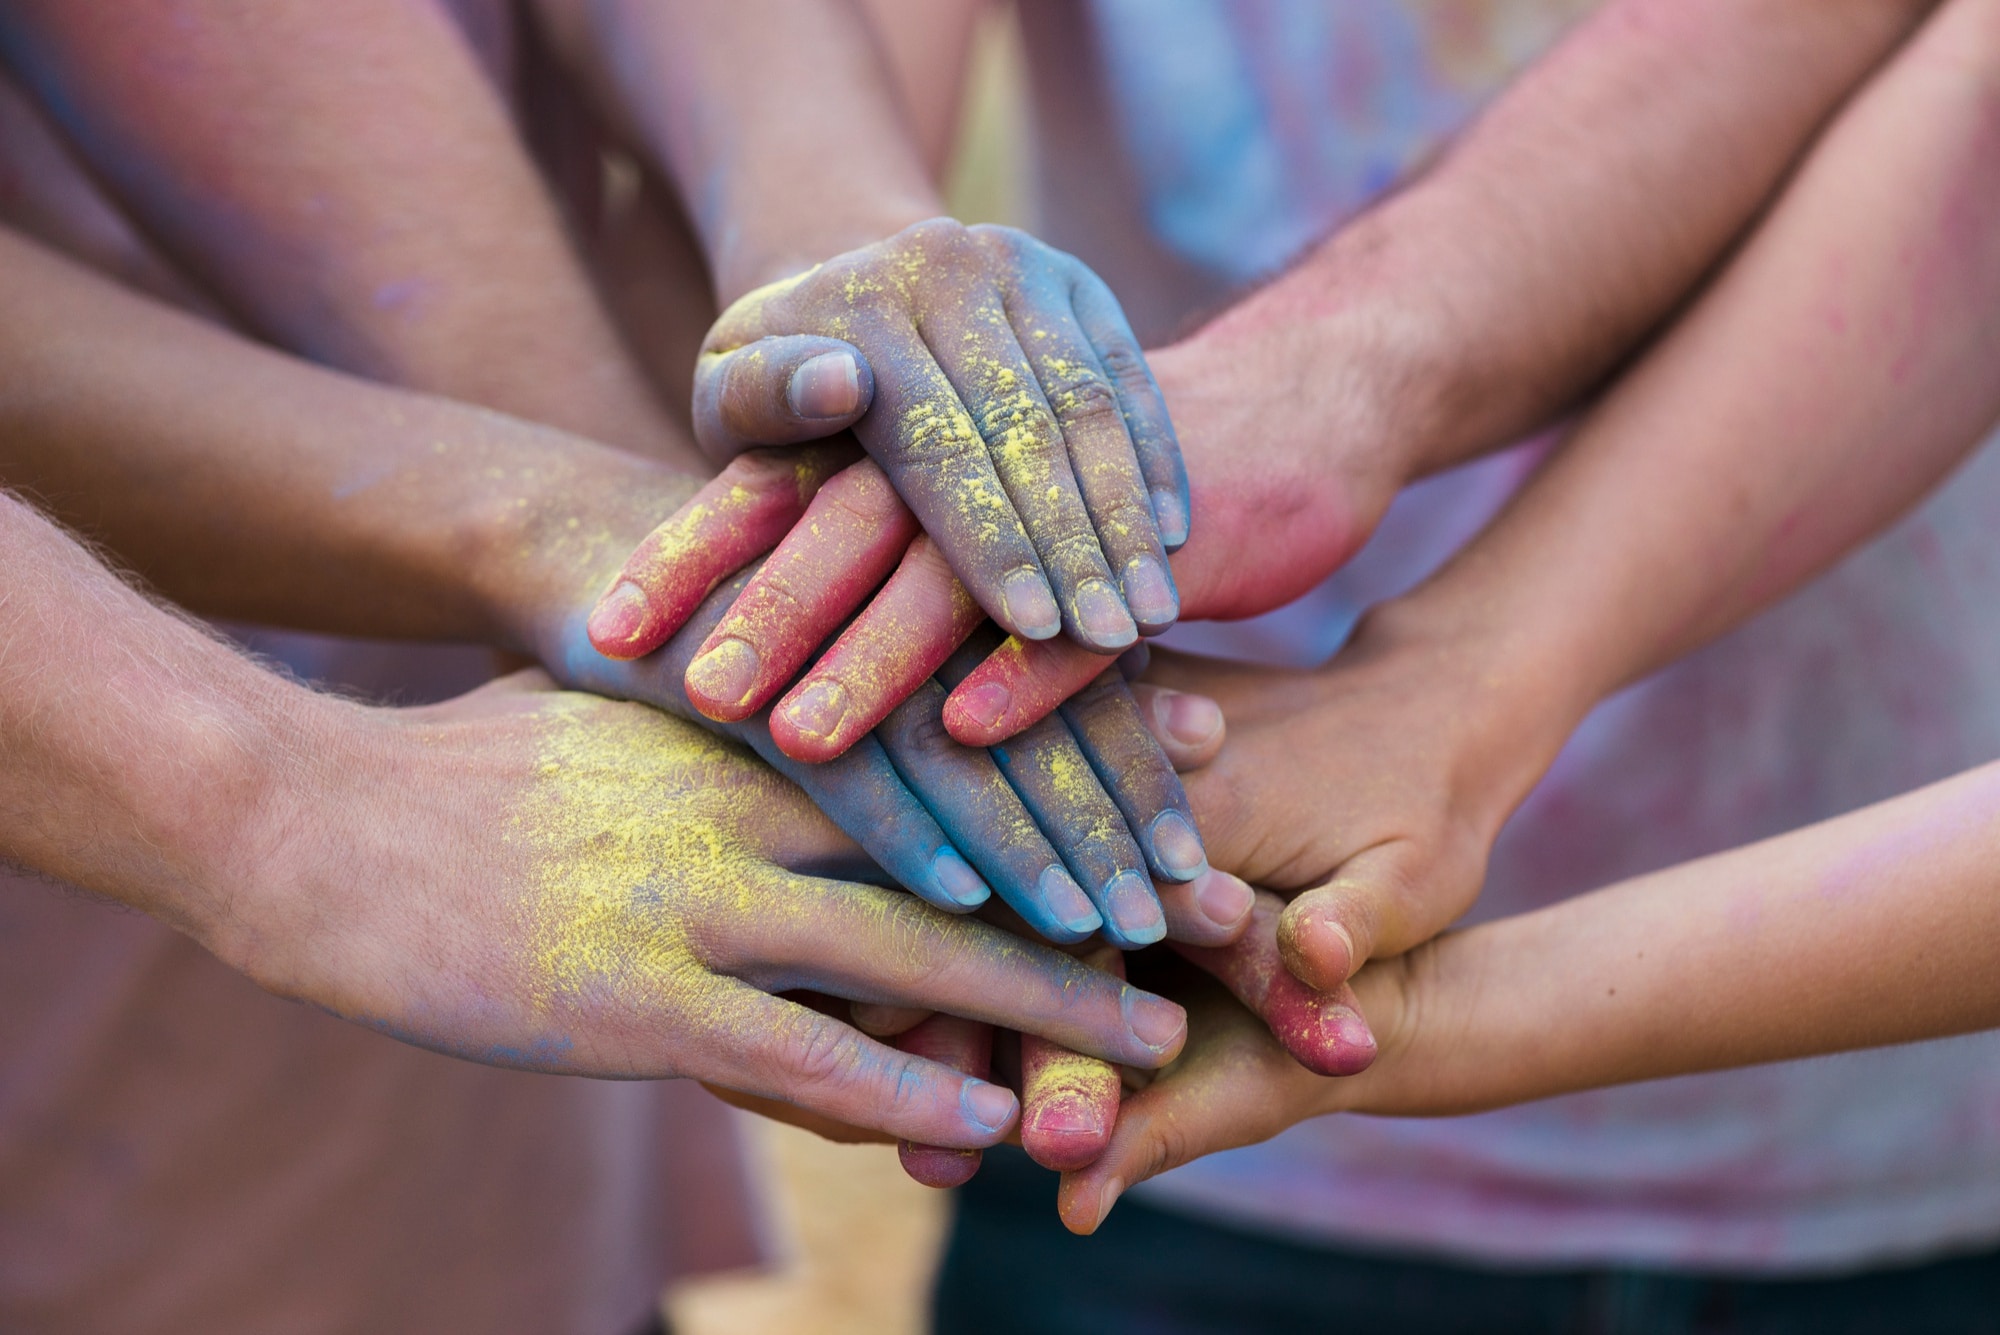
point(620, 619)
point(1106, 1198)
point(956, 878)
point(1223, 899)
point(985, 704)
point(1133, 906)
point(1102, 615)
point(1355, 1040)
point(1029, 604)
point(991, 1106)
point(827, 386)
point(1191, 720)
point(1149, 592)
point(818, 709)
point(1154, 1021)
point(1172, 517)
point(1335, 941)
point(725, 674)
point(1066, 900)
point(1176, 847)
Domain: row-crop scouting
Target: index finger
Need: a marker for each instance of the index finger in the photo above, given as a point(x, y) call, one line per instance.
point(738, 516)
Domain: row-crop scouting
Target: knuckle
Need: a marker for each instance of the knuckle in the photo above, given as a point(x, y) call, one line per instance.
point(815, 1055)
point(758, 471)
point(775, 588)
point(865, 497)
point(1125, 365)
point(1084, 397)
point(1076, 550)
point(922, 730)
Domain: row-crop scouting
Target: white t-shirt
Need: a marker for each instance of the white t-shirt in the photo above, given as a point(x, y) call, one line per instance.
point(1881, 676)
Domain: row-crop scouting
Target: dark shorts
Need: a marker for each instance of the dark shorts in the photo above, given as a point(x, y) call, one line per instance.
point(1010, 1267)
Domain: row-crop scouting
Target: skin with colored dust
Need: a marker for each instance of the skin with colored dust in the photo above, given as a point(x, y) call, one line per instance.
point(1323, 1031)
point(964, 1045)
point(914, 624)
point(853, 534)
point(730, 522)
point(1011, 410)
point(1069, 1102)
point(612, 821)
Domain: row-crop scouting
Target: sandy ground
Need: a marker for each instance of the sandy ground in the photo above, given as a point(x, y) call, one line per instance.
point(859, 1242)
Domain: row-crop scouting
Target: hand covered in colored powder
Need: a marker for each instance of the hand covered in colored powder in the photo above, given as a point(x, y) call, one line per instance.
point(573, 884)
point(1081, 814)
point(1275, 521)
point(998, 386)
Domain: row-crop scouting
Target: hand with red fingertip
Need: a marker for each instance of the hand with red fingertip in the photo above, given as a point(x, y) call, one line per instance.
point(731, 521)
point(876, 681)
point(1272, 525)
point(965, 1046)
point(1007, 402)
point(1069, 1102)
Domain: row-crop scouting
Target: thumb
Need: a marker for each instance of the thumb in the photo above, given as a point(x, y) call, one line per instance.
point(1382, 901)
point(780, 390)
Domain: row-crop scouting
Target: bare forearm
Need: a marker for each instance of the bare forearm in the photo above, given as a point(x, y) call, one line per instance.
point(1496, 289)
point(138, 754)
point(347, 178)
point(777, 118)
point(247, 484)
point(1871, 929)
point(1834, 372)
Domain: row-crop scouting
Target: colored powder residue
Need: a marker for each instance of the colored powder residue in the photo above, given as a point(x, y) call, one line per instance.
point(637, 817)
point(1069, 1103)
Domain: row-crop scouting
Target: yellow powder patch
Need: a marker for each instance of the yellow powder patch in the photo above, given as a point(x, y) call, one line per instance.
point(629, 826)
point(1059, 1078)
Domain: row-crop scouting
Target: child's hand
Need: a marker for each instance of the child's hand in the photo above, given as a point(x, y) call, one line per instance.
point(1233, 1085)
point(996, 382)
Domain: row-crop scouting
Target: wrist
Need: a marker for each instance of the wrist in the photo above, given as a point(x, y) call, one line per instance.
point(223, 826)
point(744, 260)
point(537, 558)
point(1297, 431)
point(1510, 709)
point(1349, 331)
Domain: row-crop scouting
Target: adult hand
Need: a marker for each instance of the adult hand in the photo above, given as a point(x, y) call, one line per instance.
point(996, 382)
point(556, 881)
point(1275, 521)
point(1093, 784)
point(1371, 789)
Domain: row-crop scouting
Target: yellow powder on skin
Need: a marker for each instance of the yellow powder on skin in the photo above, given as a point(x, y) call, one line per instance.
point(636, 819)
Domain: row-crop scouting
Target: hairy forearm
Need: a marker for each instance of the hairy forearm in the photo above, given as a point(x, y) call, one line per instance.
point(1496, 289)
point(1833, 373)
point(1871, 929)
point(348, 180)
point(778, 119)
point(244, 483)
point(139, 755)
